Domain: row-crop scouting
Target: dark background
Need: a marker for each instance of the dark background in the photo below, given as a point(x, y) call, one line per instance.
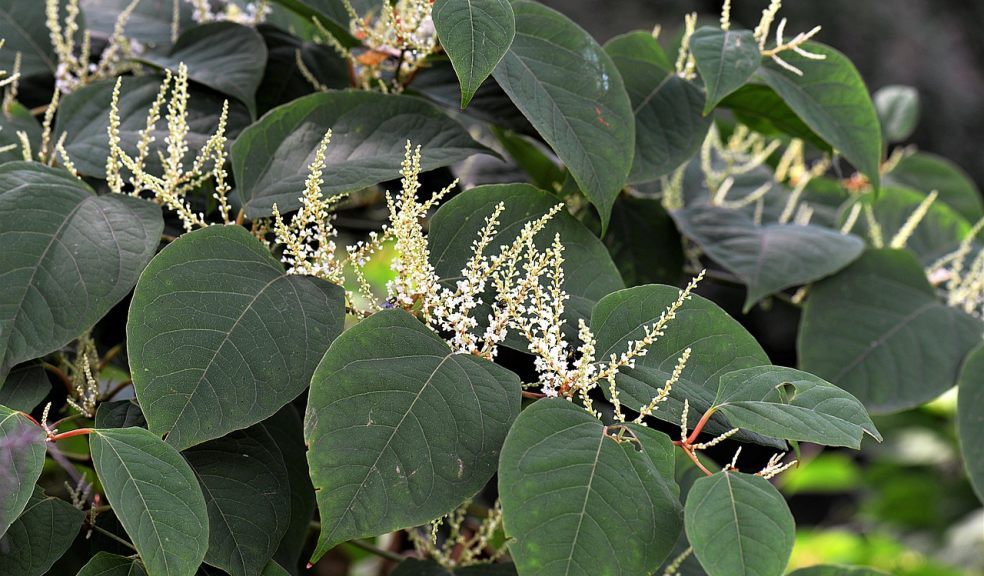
point(936, 46)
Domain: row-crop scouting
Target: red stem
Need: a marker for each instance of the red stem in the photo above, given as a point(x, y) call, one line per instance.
point(700, 425)
point(70, 433)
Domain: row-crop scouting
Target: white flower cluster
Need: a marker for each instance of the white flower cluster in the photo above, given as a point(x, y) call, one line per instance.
point(961, 274)
point(796, 44)
point(254, 13)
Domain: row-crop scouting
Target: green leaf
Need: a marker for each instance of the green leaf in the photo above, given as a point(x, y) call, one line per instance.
point(286, 428)
point(831, 570)
point(926, 172)
point(718, 343)
point(370, 130)
point(787, 403)
point(83, 118)
point(149, 23)
point(274, 569)
point(156, 497)
point(220, 338)
point(244, 481)
point(898, 111)
point(25, 31)
point(13, 120)
point(69, 256)
point(25, 387)
point(40, 535)
point(761, 109)
point(589, 273)
point(400, 430)
point(669, 125)
point(739, 524)
point(576, 501)
point(330, 13)
point(282, 77)
point(224, 56)
point(120, 414)
point(878, 331)
point(767, 258)
point(106, 564)
point(939, 232)
point(644, 242)
point(22, 452)
point(831, 98)
point(475, 34)
point(414, 567)
point(970, 417)
point(571, 92)
point(539, 165)
point(726, 59)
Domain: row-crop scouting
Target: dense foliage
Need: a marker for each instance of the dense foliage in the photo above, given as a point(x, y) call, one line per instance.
point(450, 284)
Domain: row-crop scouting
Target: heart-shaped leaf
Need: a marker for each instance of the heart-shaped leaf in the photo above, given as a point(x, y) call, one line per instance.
point(21, 459)
point(156, 497)
point(369, 134)
point(718, 343)
point(399, 429)
point(224, 56)
point(739, 524)
point(68, 257)
point(571, 92)
point(244, 481)
point(25, 387)
point(831, 98)
point(220, 338)
point(926, 172)
point(787, 403)
point(589, 273)
point(83, 119)
point(878, 331)
point(611, 506)
point(726, 59)
point(475, 34)
point(106, 564)
point(767, 258)
point(970, 417)
point(40, 535)
point(669, 125)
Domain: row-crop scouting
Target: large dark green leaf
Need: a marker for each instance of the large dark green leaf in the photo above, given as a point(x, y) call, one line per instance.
point(726, 59)
point(282, 78)
point(898, 111)
point(572, 93)
point(286, 428)
point(13, 120)
point(577, 502)
point(149, 23)
point(718, 343)
point(224, 56)
point(24, 30)
point(21, 459)
point(739, 525)
point(970, 417)
point(220, 338)
point(589, 273)
point(939, 232)
point(767, 258)
point(926, 172)
point(25, 387)
point(156, 497)
point(878, 331)
point(644, 242)
point(399, 429)
point(669, 125)
point(244, 481)
point(787, 403)
point(370, 130)
point(413, 567)
point(120, 414)
point(331, 14)
point(83, 116)
point(106, 564)
point(68, 257)
point(40, 535)
point(475, 34)
point(831, 98)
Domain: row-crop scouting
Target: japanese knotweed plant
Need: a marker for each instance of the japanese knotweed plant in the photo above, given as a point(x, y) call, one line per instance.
point(243, 332)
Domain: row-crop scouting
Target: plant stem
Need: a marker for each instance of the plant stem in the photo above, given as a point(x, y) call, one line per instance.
point(112, 536)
